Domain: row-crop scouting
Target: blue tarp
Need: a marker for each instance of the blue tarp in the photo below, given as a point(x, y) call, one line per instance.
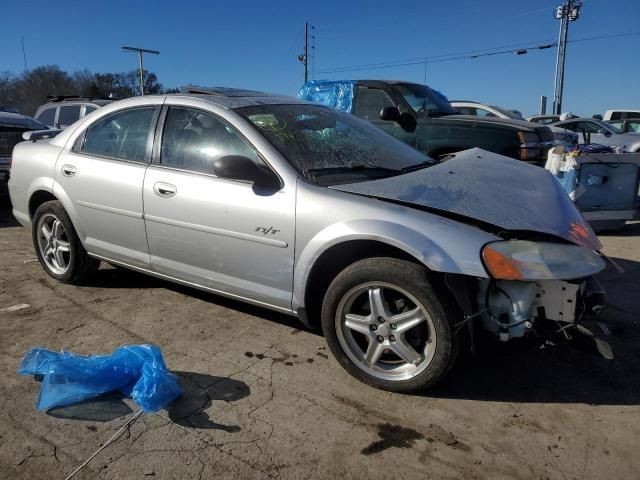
point(335, 94)
point(137, 371)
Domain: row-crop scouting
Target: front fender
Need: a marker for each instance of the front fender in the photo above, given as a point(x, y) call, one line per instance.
point(450, 247)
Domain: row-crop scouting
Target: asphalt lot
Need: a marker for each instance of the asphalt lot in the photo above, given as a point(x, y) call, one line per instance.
point(264, 399)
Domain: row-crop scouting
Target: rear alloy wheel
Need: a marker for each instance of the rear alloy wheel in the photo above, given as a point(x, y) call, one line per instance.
point(386, 326)
point(58, 247)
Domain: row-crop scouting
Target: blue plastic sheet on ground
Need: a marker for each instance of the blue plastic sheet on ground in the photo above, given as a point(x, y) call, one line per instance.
point(335, 94)
point(137, 371)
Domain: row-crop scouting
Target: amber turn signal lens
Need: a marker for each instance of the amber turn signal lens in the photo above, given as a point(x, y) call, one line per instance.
point(501, 266)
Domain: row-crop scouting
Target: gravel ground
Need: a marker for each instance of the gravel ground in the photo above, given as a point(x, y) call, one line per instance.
point(264, 398)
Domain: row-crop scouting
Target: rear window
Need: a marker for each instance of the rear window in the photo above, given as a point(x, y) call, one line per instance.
point(47, 116)
point(68, 114)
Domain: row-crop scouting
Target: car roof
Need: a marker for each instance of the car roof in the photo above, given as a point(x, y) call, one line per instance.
point(78, 99)
point(236, 97)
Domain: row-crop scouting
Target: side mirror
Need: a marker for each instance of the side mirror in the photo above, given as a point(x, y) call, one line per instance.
point(604, 132)
point(390, 114)
point(239, 167)
point(405, 120)
point(408, 122)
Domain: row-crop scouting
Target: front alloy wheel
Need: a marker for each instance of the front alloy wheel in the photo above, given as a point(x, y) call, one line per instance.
point(385, 331)
point(386, 325)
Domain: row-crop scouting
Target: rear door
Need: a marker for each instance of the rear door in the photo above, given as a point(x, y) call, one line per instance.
point(222, 234)
point(102, 175)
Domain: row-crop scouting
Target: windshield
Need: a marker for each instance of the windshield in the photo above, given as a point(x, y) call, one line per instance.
point(425, 101)
point(330, 147)
point(609, 127)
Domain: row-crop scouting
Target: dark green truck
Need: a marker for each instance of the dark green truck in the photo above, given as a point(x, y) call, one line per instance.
point(424, 119)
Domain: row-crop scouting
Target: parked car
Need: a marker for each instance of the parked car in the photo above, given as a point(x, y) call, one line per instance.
point(477, 109)
point(12, 126)
point(620, 114)
point(314, 213)
point(544, 119)
point(61, 111)
point(602, 133)
point(424, 119)
point(627, 126)
point(562, 137)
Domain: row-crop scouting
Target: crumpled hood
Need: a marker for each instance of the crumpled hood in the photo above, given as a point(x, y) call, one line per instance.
point(491, 188)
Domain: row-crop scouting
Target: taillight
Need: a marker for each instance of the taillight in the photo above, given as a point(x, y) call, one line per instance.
point(530, 146)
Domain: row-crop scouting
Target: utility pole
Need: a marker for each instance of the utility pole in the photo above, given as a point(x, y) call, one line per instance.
point(304, 57)
point(569, 11)
point(140, 52)
point(24, 57)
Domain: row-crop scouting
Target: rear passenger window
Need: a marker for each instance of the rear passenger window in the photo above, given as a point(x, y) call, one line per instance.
point(121, 135)
point(192, 140)
point(68, 114)
point(47, 116)
point(88, 109)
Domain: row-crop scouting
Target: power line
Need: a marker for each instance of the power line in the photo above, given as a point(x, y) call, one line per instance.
point(421, 59)
point(470, 54)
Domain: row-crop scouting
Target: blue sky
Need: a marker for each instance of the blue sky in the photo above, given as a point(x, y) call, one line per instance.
point(254, 44)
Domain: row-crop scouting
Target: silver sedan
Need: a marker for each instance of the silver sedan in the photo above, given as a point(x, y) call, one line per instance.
point(602, 133)
point(314, 213)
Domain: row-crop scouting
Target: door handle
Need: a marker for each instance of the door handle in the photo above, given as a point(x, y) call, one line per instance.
point(69, 170)
point(164, 189)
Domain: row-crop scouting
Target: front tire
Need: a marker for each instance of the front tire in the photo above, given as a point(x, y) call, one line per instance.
point(58, 247)
point(386, 326)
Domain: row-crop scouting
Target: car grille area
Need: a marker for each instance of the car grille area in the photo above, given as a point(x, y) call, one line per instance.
point(8, 139)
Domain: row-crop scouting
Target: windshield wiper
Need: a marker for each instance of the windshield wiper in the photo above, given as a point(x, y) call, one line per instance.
point(418, 166)
point(352, 168)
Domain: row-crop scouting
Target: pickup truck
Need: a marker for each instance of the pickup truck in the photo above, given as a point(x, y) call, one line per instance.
point(424, 119)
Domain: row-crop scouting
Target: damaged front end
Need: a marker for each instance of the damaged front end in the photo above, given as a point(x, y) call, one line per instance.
point(533, 283)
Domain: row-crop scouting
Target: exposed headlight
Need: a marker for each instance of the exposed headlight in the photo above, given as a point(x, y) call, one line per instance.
point(524, 260)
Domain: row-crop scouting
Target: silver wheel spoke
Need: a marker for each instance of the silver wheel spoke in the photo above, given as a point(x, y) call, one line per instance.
point(57, 229)
point(407, 320)
point(63, 246)
point(374, 350)
point(405, 351)
point(378, 303)
point(358, 323)
point(46, 232)
point(48, 252)
point(59, 257)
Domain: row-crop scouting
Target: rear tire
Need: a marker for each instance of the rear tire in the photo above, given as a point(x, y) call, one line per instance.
point(58, 247)
point(386, 326)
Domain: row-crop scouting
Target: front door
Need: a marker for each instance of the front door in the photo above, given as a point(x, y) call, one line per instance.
point(103, 175)
point(222, 234)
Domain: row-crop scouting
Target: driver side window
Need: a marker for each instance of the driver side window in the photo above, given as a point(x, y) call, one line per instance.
point(192, 140)
point(369, 103)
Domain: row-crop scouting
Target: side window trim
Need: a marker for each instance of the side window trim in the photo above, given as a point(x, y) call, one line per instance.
point(78, 145)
